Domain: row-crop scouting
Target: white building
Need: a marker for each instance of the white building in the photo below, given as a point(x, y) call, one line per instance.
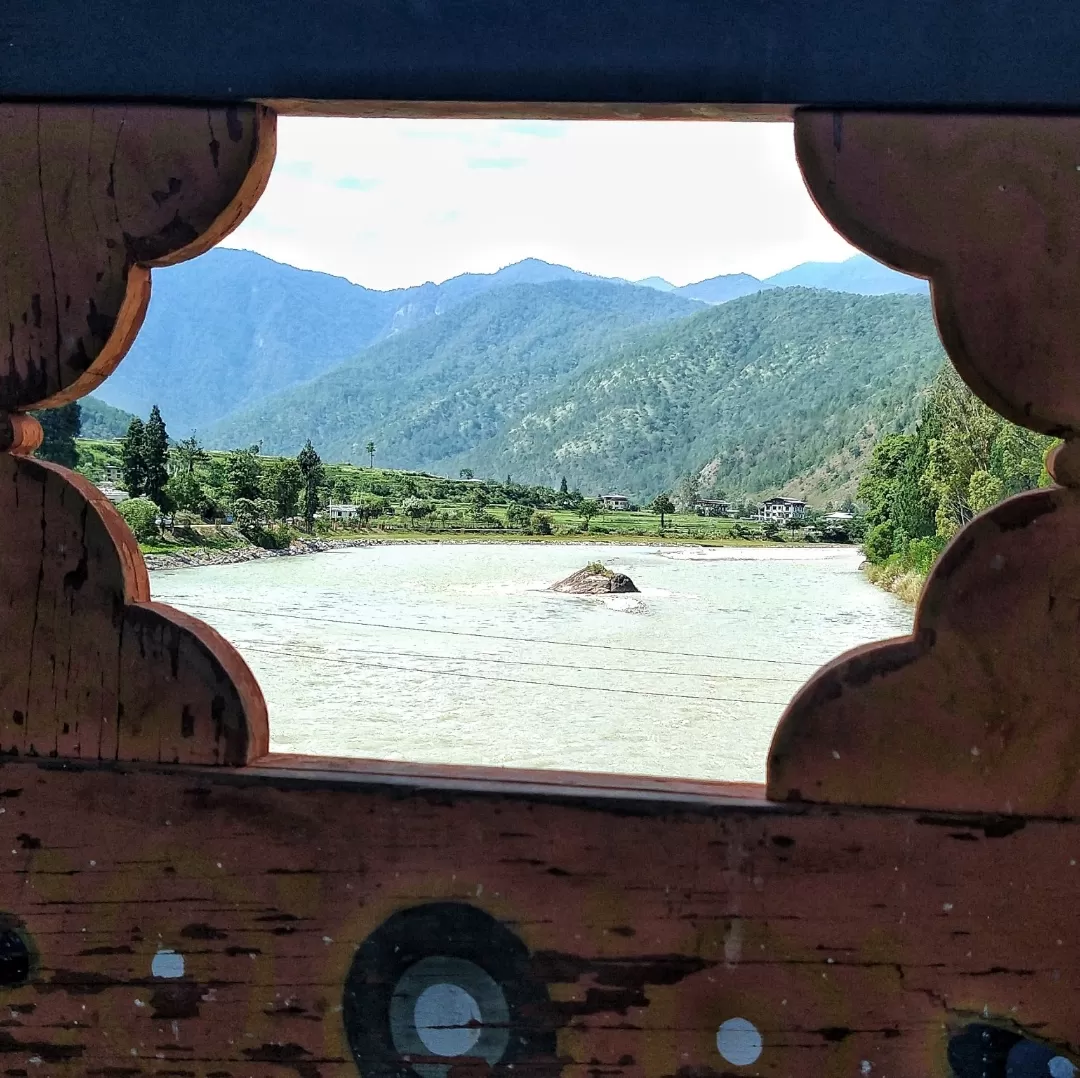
point(782, 509)
point(113, 493)
point(615, 501)
point(839, 516)
point(342, 512)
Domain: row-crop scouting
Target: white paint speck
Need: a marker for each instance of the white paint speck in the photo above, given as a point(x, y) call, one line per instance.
point(447, 1019)
point(739, 1042)
point(835, 754)
point(865, 1066)
point(1060, 1067)
point(167, 964)
point(974, 750)
point(946, 907)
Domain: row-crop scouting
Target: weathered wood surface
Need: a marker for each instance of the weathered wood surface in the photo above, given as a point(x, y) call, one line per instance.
point(985, 206)
point(846, 937)
point(90, 197)
point(979, 709)
point(89, 667)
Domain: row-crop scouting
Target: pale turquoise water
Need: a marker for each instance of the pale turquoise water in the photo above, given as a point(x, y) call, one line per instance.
point(456, 654)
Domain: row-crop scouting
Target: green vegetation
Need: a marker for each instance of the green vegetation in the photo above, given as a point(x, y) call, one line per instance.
point(750, 396)
point(102, 421)
point(444, 388)
point(60, 427)
point(213, 500)
point(141, 515)
point(625, 389)
point(921, 488)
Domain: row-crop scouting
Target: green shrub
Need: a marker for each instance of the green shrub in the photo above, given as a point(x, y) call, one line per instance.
point(879, 543)
point(540, 523)
point(141, 515)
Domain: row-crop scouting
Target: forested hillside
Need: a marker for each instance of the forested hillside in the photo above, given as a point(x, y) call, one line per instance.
point(457, 380)
point(100, 420)
point(231, 328)
point(752, 393)
point(921, 487)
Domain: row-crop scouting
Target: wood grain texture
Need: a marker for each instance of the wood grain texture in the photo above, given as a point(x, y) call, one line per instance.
point(843, 935)
point(985, 206)
point(20, 435)
point(90, 196)
point(89, 667)
point(979, 709)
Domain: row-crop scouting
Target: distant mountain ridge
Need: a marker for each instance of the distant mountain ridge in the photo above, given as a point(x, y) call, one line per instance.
point(859, 274)
point(233, 328)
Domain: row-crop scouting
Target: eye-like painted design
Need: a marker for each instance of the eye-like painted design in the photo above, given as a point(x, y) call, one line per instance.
point(16, 958)
point(445, 987)
point(738, 1040)
point(983, 1051)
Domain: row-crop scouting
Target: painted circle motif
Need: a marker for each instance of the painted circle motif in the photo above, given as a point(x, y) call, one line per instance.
point(444, 986)
point(739, 1042)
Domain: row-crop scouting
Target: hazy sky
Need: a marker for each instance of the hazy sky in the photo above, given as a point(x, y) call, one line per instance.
point(389, 203)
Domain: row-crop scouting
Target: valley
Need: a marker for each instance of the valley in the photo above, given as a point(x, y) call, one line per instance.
point(541, 371)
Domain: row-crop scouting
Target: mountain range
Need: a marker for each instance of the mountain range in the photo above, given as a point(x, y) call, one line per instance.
point(526, 370)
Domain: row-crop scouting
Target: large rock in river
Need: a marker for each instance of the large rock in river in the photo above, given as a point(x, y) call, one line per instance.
point(595, 579)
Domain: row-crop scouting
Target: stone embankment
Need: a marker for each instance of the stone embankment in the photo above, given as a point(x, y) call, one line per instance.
point(187, 558)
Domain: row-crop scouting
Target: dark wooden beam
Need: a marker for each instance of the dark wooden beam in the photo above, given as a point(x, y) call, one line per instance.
point(982, 54)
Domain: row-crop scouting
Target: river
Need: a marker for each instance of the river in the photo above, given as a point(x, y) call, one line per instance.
point(457, 654)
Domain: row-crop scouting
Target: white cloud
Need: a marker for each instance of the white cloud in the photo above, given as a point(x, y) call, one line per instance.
point(389, 203)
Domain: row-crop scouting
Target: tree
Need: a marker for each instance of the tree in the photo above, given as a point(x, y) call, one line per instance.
point(141, 515)
point(687, 493)
point(371, 506)
point(466, 473)
point(243, 474)
point(370, 450)
point(663, 505)
point(132, 466)
point(60, 427)
point(187, 454)
point(155, 450)
point(540, 523)
point(186, 493)
point(286, 482)
point(562, 485)
point(342, 491)
point(311, 474)
point(479, 501)
point(588, 509)
point(416, 509)
point(518, 516)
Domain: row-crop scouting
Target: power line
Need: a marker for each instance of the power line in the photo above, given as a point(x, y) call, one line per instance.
point(291, 647)
point(497, 636)
point(525, 681)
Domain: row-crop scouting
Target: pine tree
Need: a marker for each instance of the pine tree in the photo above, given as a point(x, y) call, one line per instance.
point(155, 454)
point(61, 427)
point(562, 486)
point(131, 459)
point(312, 471)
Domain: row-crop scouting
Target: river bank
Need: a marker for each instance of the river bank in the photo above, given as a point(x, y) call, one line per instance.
point(904, 584)
point(188, 557)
